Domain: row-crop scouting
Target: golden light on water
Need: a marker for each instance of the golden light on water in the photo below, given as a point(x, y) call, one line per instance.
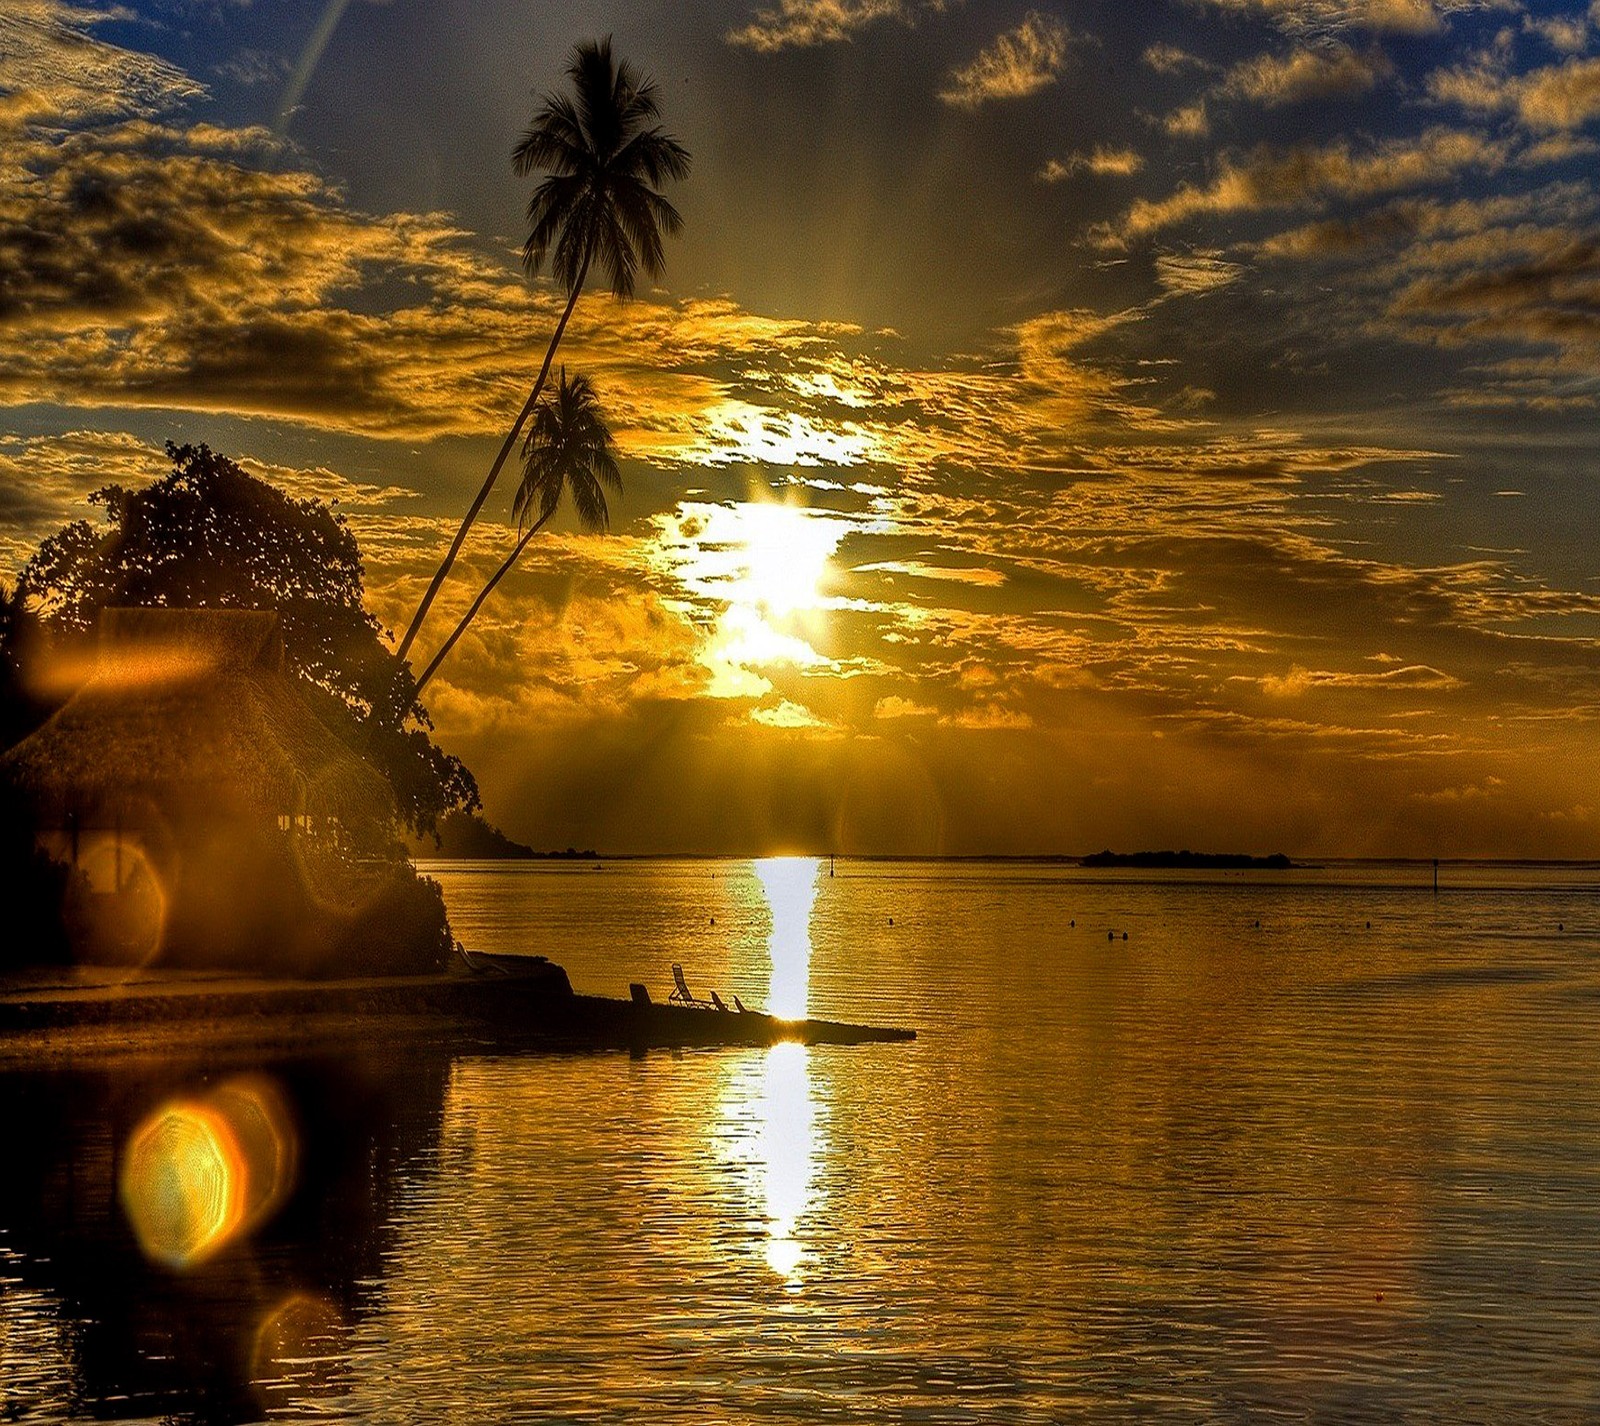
point(777, 1131)
point(199, 1173)
point(788, 1149)
point(790, 886)
point(770, 1097)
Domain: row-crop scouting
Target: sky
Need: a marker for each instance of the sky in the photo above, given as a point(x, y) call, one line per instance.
point(1057, 426)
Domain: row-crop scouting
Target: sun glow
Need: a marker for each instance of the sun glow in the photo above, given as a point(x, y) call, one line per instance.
point(786, 552)
point(762, 565)
point(736, 431)
point(759, 554)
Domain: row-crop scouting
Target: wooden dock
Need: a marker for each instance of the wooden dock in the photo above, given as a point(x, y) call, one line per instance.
point(81, 1011)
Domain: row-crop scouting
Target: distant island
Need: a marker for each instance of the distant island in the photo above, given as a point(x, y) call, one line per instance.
point(468, 838)
point(1197, 861)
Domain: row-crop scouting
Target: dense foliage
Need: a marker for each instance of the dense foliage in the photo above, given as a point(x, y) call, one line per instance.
point(209, 535)
point(22, 706)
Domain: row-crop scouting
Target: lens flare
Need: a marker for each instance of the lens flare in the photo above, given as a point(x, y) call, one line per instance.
point(183, 1184)
point(124, 913)
point(298, 1350)
point(199, 1173)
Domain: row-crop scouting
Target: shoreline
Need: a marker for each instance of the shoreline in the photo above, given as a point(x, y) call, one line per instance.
point(987, 858)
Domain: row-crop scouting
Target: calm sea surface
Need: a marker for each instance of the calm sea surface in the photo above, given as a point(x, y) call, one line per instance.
point(1311, 1146)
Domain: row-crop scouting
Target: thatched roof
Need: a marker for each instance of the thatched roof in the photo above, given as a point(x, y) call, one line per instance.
point(192, 710)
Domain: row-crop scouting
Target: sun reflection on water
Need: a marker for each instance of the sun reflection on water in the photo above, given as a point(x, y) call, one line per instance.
point(788, 1147)
point(790, 886)
point(774, 1126)
point(775, 1107)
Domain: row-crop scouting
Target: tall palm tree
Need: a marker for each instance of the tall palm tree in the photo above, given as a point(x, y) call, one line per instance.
point(569, 448)
point(605, 158)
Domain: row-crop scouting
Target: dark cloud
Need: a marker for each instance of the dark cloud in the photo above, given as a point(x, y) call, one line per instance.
point(1552, 297)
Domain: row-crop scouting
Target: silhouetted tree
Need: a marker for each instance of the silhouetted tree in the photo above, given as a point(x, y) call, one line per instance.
point(23, 706)
point(569, 448)
point(209, 535)
point(604, 159)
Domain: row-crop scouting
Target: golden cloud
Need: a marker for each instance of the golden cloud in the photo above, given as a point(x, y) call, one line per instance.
point(1562, 96)
point(1043, 542)
point(1101, 162)
point(1406, 17)
point(1014, 65)
point(800, 24)
point(1273, 178)
point(1328, 71)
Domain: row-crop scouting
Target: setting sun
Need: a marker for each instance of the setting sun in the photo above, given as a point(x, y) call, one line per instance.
point(785, 554)
point(762, 567)
point(760, 555)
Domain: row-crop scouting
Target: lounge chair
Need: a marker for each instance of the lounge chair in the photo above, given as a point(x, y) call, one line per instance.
point(716, 1002)
point(681, 994)
point(739, 1005)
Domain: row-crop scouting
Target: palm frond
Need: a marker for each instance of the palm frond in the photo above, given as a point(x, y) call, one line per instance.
point(604, 156)
point(589, 502)
point(553, 139)
point(615, 254)
point(606, 470)
point(594, 80)
point(569, 448)
point(652, 155)
point(640, 221)
point(549, 215)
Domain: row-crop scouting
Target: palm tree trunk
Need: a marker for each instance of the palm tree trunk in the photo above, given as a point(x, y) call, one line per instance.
point(494, 472)
point(477, 603)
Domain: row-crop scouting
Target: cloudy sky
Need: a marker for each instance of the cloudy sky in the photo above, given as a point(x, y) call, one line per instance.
point(1061, 426)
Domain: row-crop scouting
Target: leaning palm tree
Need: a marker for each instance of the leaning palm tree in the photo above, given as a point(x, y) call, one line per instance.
point(604, 159)
point(569, 448)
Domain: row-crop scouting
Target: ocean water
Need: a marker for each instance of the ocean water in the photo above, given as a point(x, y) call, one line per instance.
point(1309, 1146)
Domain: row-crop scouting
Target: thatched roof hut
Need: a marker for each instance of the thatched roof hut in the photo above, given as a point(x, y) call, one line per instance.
point(192, 712)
